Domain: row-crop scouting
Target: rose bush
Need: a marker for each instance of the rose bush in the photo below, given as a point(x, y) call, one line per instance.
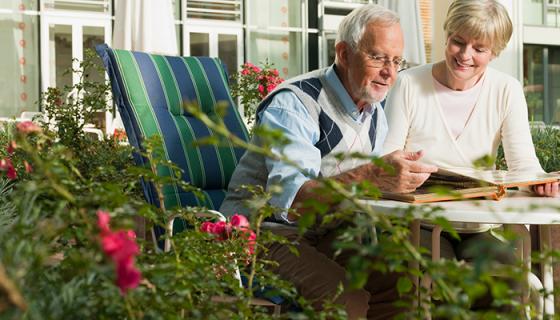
point(251, 84)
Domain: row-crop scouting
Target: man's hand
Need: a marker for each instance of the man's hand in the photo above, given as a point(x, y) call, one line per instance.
point(551, 189)
point(409, 173)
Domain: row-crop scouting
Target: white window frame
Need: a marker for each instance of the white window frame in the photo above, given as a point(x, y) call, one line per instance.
point(77, 22)
point(213, 30)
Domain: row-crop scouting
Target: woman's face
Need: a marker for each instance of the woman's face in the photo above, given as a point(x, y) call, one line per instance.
point(466, 60)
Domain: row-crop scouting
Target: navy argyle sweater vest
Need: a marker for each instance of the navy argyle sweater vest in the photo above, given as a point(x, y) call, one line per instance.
point(339, 134)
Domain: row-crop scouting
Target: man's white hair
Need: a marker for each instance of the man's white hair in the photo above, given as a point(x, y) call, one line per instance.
point(353, 26)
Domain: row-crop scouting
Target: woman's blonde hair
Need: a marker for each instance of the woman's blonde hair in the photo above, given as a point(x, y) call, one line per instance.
point(487, 20)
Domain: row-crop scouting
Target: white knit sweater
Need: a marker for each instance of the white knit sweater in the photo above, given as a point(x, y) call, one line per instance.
point(416, 122)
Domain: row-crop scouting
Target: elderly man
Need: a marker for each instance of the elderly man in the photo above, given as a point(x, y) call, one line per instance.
point(324, 113)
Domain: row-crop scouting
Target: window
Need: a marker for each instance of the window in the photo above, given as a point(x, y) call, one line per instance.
point(332, 12)
point(212, 28)
point(542, 82)
point(19, 57)
point(65, 37)
point(541, 12)
point(68, 28)
point(275, 33)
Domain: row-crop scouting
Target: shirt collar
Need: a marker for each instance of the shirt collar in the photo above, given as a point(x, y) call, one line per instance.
point(347, 103)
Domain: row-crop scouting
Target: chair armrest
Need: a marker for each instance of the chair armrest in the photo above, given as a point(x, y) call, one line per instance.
point(206, 214)
point(169, 228)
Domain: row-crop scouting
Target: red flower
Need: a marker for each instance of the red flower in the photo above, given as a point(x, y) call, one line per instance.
point(6, 165)
point(121, 247)
point(27, 127)
point(119, 135)
point(11, 147)
point(251, 242)
point(128, 276)
point(239, 220)
point(103, 219)
point(207, 226)
point(224, 230)
point(28, 167)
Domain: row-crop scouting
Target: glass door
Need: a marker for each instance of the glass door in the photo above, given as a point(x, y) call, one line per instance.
point(224, 43)
point(65, 38)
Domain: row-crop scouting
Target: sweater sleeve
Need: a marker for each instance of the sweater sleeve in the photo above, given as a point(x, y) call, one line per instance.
point(515, 133)
point(397, 116)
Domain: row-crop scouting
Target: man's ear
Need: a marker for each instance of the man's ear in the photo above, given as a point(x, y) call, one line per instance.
point(342, 50)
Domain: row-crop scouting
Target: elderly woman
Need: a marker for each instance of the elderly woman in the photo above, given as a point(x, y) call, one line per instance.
point(460, 109)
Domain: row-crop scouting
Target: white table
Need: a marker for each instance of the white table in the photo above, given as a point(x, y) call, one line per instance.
point(515, 210)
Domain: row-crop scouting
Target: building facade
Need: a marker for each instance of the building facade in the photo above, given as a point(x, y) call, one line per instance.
point(42, 37)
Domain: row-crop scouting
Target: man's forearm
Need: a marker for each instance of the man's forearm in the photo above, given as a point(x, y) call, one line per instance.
point(312, 189)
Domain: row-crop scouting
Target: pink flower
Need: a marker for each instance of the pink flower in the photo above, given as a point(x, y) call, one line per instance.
point(131, 234)
point(103, 219)
point(225, 230)
point(222, 230)
point(6, 165)
point(121, 247)
point(251, 242)
point(128, 277)
point(238, 220)
point(245, 72)
point(27, 127)
point(11, 147)
point(11, 174)
point(28, 167)
point(207, 227)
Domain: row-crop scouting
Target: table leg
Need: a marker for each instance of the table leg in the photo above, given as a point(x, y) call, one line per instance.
point(524, 254)
point(427, 279)
point(546, 269)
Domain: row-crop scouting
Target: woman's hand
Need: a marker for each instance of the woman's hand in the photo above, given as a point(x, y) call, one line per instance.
point(551, 189)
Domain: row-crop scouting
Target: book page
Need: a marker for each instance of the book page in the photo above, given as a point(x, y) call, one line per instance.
point(501, 177)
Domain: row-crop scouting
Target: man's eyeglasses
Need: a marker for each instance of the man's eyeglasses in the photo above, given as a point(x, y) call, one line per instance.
point(379, 61)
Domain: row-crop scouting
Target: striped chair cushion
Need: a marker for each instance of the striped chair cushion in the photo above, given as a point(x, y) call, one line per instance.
point(150, 91)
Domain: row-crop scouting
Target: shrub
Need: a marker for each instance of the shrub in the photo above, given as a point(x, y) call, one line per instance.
point(252, 84)
point(547, 144)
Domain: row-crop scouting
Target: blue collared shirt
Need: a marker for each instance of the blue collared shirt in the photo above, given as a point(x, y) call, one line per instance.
point(288, 114)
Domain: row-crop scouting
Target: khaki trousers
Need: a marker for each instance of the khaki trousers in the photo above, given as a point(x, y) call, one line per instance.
point(317, 273)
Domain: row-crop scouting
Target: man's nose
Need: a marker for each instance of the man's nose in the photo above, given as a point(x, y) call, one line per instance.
point(387, 71)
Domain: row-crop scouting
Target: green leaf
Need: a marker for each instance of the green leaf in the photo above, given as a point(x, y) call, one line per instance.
point(306, 220)
point(404, 285)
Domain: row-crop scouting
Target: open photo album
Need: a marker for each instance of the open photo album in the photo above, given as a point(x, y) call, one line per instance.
point(453, 184)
